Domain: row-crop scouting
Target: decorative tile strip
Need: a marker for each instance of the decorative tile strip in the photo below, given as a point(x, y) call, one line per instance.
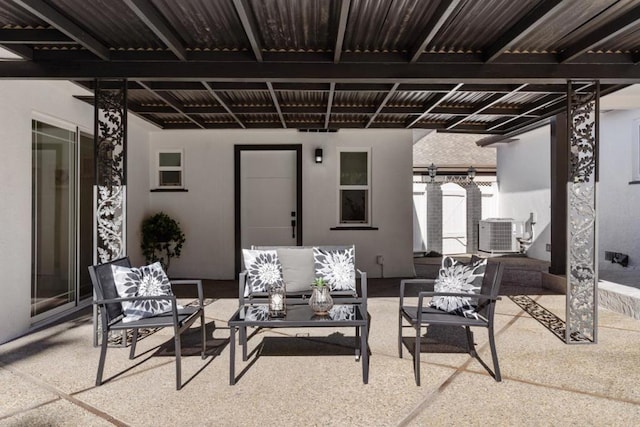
point(546, 318)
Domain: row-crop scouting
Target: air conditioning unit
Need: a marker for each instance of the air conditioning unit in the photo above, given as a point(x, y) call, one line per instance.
point(500, 235)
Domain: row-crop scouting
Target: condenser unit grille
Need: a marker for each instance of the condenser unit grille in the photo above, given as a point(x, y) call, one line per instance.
point(497, 235)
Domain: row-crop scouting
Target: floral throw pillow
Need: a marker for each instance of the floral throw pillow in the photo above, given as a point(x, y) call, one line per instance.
point(336, 267)
point(455, 276)
point(149, 280)
point(263, 269)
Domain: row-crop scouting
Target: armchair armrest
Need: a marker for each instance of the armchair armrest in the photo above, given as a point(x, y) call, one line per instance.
point(412, 283)
point(363, 290)
point(242, 283)
point(196, 282)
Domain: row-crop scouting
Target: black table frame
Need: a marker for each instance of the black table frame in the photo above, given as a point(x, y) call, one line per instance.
point(299, 316)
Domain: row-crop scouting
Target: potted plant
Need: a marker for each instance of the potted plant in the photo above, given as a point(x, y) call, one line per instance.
point(320, 301)
point(162, 239)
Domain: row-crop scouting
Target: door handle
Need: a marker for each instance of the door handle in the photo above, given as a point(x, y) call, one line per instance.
point(293, 228)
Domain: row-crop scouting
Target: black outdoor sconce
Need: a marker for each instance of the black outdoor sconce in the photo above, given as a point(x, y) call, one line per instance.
point(318, 155)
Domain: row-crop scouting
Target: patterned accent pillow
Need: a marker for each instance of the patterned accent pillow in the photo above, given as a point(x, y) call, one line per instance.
point(149, 280)
point(263, 269)
point(455, 276)
point(337, 267)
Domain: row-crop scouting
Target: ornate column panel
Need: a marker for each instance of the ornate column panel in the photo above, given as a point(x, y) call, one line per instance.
point(434, 217)
point(111, 155)
point(474, 215)
point(109, 191)
point(582, 273)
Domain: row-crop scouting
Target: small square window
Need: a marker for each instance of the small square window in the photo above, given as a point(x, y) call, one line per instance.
point(170, 169)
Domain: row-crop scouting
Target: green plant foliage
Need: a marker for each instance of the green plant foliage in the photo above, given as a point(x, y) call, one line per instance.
point(162, 239)
point(319, 282)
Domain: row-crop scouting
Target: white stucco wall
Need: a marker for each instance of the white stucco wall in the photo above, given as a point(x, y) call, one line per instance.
point(524, 180)
point(206, 211)
point(618, 201)
point(20, 101)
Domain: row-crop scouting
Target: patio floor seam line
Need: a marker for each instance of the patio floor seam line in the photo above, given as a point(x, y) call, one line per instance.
point(65, 396)
point(420, 407)
point(30, 408)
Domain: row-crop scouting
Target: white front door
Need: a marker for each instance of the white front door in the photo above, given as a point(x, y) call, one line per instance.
point(268, 214)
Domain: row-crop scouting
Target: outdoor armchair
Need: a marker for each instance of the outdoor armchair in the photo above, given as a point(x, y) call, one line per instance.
point(422, 314)
point(112, 314)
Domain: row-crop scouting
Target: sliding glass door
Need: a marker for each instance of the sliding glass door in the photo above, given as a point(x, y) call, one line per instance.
point(62, 212)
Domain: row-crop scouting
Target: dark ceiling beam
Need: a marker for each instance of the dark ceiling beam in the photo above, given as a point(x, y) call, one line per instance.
point(250, 27)
point(327, 117)
point(382, 104)
point(321, 73)
point(525, 26)
point(603, 34)
point(30, 36)
point(276, 104)
point(440, 16)
point(156, 23)
point(545, 102)
point(173, 103)
point(50, 15)
point(342, 27)
point(437, 101)
point(224, 104)
point(495, 99)
point(24, 52)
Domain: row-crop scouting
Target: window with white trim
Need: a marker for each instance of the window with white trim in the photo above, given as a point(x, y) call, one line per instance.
point(354, 186)
point(170, 169)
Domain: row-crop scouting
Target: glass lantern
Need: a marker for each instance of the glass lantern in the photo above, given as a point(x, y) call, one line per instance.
point(277, 300)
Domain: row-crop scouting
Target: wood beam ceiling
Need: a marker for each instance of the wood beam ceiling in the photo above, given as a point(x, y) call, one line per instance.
point(57, 20)
point(342, 27)
point(156, 23)
point(525, 26)
point(624, 23)
point(250, 27)
point(442, 13)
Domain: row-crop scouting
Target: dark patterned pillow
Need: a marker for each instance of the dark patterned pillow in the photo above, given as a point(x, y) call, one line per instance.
point(149, 280)
point(263, 269)
point(455, 276)
point(337, 267)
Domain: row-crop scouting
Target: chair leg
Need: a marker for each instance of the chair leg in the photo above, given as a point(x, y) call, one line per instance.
point(470, 343)
point(103, 354)
point(494, 354)
point(134, 341)
point(400, 335)
point(178, 357)
point(358, 349)
point(204, 336)
point(416, 356)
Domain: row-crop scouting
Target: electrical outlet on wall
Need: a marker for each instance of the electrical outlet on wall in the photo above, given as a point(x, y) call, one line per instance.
point(548, 247)
point(380, 260)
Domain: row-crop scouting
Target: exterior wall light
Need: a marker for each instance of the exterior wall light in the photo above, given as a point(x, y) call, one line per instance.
point(432, 172)
point(471, 173)
point(318, 155)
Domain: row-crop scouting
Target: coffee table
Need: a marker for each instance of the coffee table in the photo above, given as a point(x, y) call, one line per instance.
point(300, 316)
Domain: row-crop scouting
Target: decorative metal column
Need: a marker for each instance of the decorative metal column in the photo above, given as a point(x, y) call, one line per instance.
point(474, 215)
point(109, 191)
point(434, 217)
point(582, 271)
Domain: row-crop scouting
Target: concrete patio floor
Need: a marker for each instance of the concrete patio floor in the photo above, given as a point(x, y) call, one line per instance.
point(48, 376)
